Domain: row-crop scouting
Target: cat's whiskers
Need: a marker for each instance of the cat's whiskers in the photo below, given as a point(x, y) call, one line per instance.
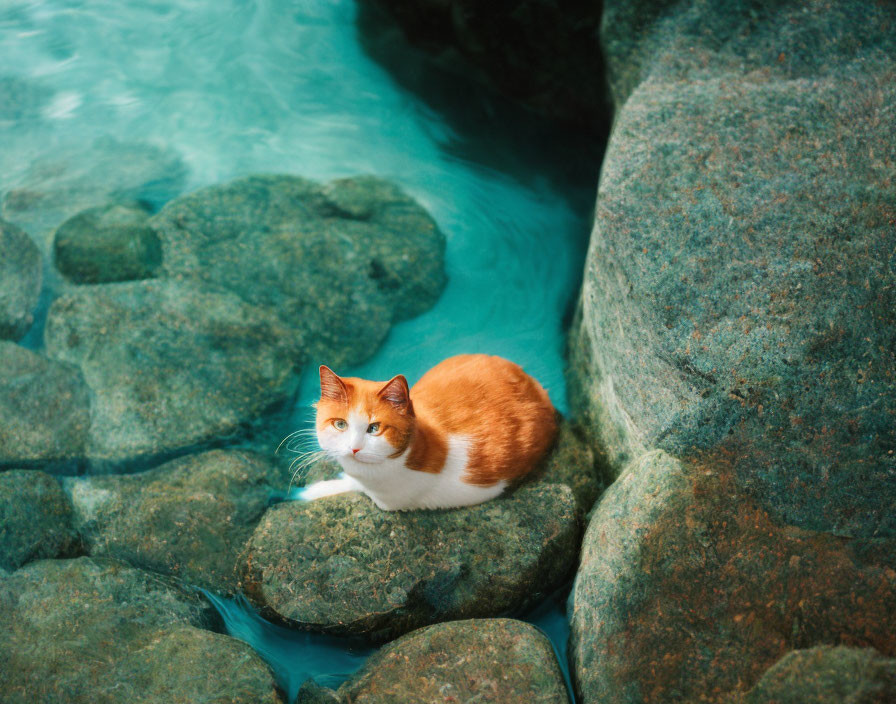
point(302, 462)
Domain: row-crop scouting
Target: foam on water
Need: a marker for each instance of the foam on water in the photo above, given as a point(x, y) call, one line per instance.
point(237, 87)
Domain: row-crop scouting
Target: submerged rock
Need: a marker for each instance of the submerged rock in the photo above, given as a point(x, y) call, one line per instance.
point(44, 409)
point(338, 263)
point(171, 365)
point(79, 176)
point(493, 660)
point(188, 518)
point(688, 589)
point(341, 565)
point(827, 675)
point(21, 274)
point(89, 630)
point(35, 519)
point(108, 243)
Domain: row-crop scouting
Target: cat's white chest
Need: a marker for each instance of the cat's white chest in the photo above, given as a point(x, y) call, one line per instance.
point(394, 487)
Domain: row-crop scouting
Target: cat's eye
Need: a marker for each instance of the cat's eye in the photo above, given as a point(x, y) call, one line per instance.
point(373, 428)
point(340, 424)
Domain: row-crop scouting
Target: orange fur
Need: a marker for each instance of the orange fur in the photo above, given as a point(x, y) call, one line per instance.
point(506, 415)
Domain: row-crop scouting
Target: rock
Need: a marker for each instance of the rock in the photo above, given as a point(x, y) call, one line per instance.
point(108, 243)
point(188, 518)
point(740, 290)
point(312, 693)
point(688, 589)
point(35, 519)
point(541, 54)
point(341, 565)
point(89, 630)
point(20, 281)
point(171, 366)
point(340, 262)
point(572, 462)
point(21, 100)
point(44, 410)
point(495, 660)
point(827, 675)
point(75, 177)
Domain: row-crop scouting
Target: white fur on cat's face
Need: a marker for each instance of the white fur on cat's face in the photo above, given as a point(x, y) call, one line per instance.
point(373, 448)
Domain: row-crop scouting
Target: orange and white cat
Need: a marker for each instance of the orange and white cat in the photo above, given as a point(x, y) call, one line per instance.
point(470, 426)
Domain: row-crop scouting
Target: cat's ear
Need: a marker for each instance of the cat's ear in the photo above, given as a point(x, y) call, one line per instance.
point(331, 386)
point(397, 394)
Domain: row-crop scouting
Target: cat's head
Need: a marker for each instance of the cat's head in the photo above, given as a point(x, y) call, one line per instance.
point(364, 422)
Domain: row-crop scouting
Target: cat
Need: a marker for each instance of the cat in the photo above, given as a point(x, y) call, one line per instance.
point(469, 427)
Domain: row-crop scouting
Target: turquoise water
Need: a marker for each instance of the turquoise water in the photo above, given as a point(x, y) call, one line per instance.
point(220, 89)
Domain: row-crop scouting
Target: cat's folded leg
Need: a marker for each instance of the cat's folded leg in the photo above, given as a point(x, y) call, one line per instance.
point(327, 488)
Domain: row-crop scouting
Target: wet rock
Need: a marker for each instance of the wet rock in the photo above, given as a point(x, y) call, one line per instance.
point(495, 660)
point(108, 243)
point(44, 410)
point(89, 630)
point(188, 518)
point(688, 589)
point(341, 565)
point(541, 54)
point(740, 289)
point(827, 675)
point(572, 462)
point(339, 262)
point(75, 177)
point(312, 693)
point(170, 365)
point(35, 519)
point(20, 281)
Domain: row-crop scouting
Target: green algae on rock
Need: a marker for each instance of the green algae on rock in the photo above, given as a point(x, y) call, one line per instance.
point(494, 660)
point(21, 274)
point(98, 630)
point(44, 410)
point(188, 518)
point(35, 519)
point(827, 675)
point(340, 262)
point(341, 565)
point(107, 243)
point(689, 589)
point(171, 365)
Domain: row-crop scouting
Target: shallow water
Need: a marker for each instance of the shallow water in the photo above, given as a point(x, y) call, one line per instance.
point(229, 88)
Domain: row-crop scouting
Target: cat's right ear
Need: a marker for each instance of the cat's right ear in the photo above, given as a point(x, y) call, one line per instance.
point(331, 386)
point(397, 395)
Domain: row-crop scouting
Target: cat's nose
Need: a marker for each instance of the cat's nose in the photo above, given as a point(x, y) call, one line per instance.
point(355, 452)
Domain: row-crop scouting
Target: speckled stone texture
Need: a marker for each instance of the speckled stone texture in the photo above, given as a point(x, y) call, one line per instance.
point(35, 519)
point(107, 243)
point(828, 675)
point(479, 660)
point(100, 632)
point(738, 312)
point(341, 565)
point(341, 261)
point(21, 274)
point(44, 410)
point(170, 365)
point(188, 518)
point(539, 52)
point(689, 590)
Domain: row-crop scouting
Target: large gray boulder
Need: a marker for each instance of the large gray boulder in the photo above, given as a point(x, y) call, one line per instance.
point(21, 273)
point(44, 410)
point(733, 352)
point(494, 660)
point(827, 675)
point(341, 565)
point(102, 632)
point(339, 262)
point(170, 365)
point(35, 519)
point(188, 518)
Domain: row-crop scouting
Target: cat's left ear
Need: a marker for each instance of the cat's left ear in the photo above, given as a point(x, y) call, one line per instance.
point(397, 394)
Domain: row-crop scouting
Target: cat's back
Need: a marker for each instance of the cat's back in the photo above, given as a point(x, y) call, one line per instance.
point(504, 413)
